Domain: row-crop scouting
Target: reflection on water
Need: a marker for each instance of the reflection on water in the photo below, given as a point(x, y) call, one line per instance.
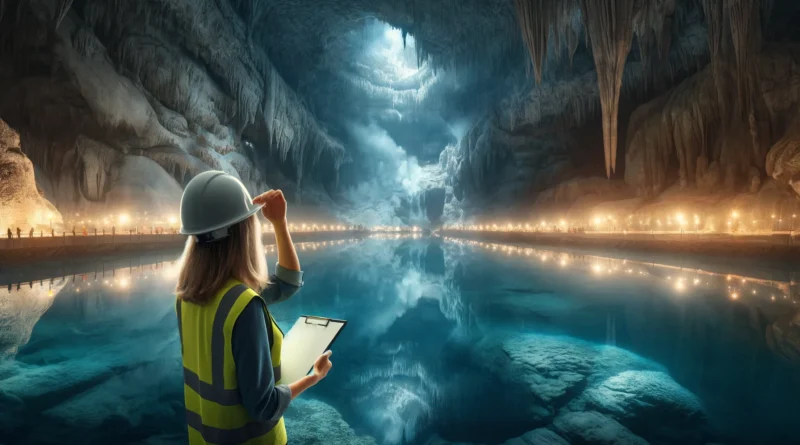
point(447, 341)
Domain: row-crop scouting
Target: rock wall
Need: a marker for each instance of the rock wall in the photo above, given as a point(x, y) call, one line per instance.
point(689, 134)
point(128, 100)
point(21, 204)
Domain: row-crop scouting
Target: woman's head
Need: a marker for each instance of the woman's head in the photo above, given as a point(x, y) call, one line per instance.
point(205, 266)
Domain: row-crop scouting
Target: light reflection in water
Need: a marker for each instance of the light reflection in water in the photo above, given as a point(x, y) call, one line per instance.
point(675, 278)
point(427, 327)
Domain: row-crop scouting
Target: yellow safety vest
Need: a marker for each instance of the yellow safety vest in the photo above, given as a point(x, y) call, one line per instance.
point(214, 410)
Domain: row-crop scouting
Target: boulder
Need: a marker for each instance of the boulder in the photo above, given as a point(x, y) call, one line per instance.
point(594, 428)
point(652, 404)
point(540, 436)
point(555, 369)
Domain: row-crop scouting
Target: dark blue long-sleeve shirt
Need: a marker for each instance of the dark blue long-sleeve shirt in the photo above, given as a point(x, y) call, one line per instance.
point(262, 399)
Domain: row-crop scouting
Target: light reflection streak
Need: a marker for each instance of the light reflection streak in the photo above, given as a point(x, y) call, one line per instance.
point(675, 279)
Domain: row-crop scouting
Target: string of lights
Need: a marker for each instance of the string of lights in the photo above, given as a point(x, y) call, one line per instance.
point(733, 222)
point(122, 278)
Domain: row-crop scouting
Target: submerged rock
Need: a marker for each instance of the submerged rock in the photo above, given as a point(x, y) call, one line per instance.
point(555, 369)
point(541, 436)
point(652, 404)
point(597, 393)
point(311, 422)
point(594, 428)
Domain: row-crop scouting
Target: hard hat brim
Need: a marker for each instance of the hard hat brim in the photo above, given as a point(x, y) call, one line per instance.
point(253, 209)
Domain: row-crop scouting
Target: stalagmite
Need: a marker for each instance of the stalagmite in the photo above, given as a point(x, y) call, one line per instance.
point(609, 24)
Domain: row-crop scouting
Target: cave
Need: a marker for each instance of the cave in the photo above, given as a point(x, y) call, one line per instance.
point(625, 126)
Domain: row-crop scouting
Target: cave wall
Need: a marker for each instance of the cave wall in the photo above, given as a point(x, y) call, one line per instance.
point(22, 205)
point(128, 100)
point(689, 131)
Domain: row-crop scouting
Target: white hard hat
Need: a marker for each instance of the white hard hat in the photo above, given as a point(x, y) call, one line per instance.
point(212, 202)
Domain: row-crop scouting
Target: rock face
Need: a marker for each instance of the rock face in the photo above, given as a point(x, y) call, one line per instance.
point(585, 393)
point(595, 428)
point(311, 422)
point(433, 200)
point(141, 93)
point(692, 125)
point(539, 436)
point(21, 204)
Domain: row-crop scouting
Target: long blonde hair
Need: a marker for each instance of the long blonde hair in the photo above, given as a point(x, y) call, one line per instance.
point(206, 266)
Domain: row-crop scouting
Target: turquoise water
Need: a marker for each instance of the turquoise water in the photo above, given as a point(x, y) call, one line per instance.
point(447, 342)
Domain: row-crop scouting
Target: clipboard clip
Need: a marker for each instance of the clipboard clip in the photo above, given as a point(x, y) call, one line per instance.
point(322, 321)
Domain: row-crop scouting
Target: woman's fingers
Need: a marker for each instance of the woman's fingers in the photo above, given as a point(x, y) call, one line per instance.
point(262, 197)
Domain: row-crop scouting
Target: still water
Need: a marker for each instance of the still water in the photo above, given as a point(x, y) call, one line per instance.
point(447, 342)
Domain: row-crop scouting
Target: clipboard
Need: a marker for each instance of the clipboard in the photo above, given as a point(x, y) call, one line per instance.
point(305, 342)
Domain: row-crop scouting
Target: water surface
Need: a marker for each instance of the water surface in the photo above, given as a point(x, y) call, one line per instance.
point(447, 342)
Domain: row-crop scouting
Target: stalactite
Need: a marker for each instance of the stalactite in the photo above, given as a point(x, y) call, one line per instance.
point(746, 33)
point(609, 24)
point(572, 43)
point(2, 9)
point(536, 19)
point(62, 8)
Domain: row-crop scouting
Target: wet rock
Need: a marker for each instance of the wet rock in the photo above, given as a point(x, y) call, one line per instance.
point(652, 404)
point(143, 394)
point(541, 436)
point(311, 422)
point(436, 440)
point(555, 369)
point(594, 428)
point(783, 338)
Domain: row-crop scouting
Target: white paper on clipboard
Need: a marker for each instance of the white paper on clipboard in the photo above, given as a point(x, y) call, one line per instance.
point(306, 340)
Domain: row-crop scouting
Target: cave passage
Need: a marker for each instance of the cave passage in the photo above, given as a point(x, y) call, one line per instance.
point(559, 222)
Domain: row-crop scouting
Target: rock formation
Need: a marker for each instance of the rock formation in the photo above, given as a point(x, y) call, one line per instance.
point(118, 100)
point(21, 203)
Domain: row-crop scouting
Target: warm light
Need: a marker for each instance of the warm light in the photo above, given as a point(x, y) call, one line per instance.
point(735, 214)
point(734, 296)
point(679, 286)
point(124, 218)
point(172, 220)
point(123, 283)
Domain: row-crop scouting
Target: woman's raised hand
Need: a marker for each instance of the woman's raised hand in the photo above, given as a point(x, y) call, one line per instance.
point(274, 206)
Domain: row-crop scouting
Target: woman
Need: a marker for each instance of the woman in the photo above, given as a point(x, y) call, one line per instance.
point(231, 346)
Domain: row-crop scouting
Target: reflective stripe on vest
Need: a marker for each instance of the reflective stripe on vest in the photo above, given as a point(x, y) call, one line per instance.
point(221, 404)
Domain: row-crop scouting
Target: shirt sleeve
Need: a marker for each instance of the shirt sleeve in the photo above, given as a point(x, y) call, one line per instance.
point(283, 284)
point(262, 399)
